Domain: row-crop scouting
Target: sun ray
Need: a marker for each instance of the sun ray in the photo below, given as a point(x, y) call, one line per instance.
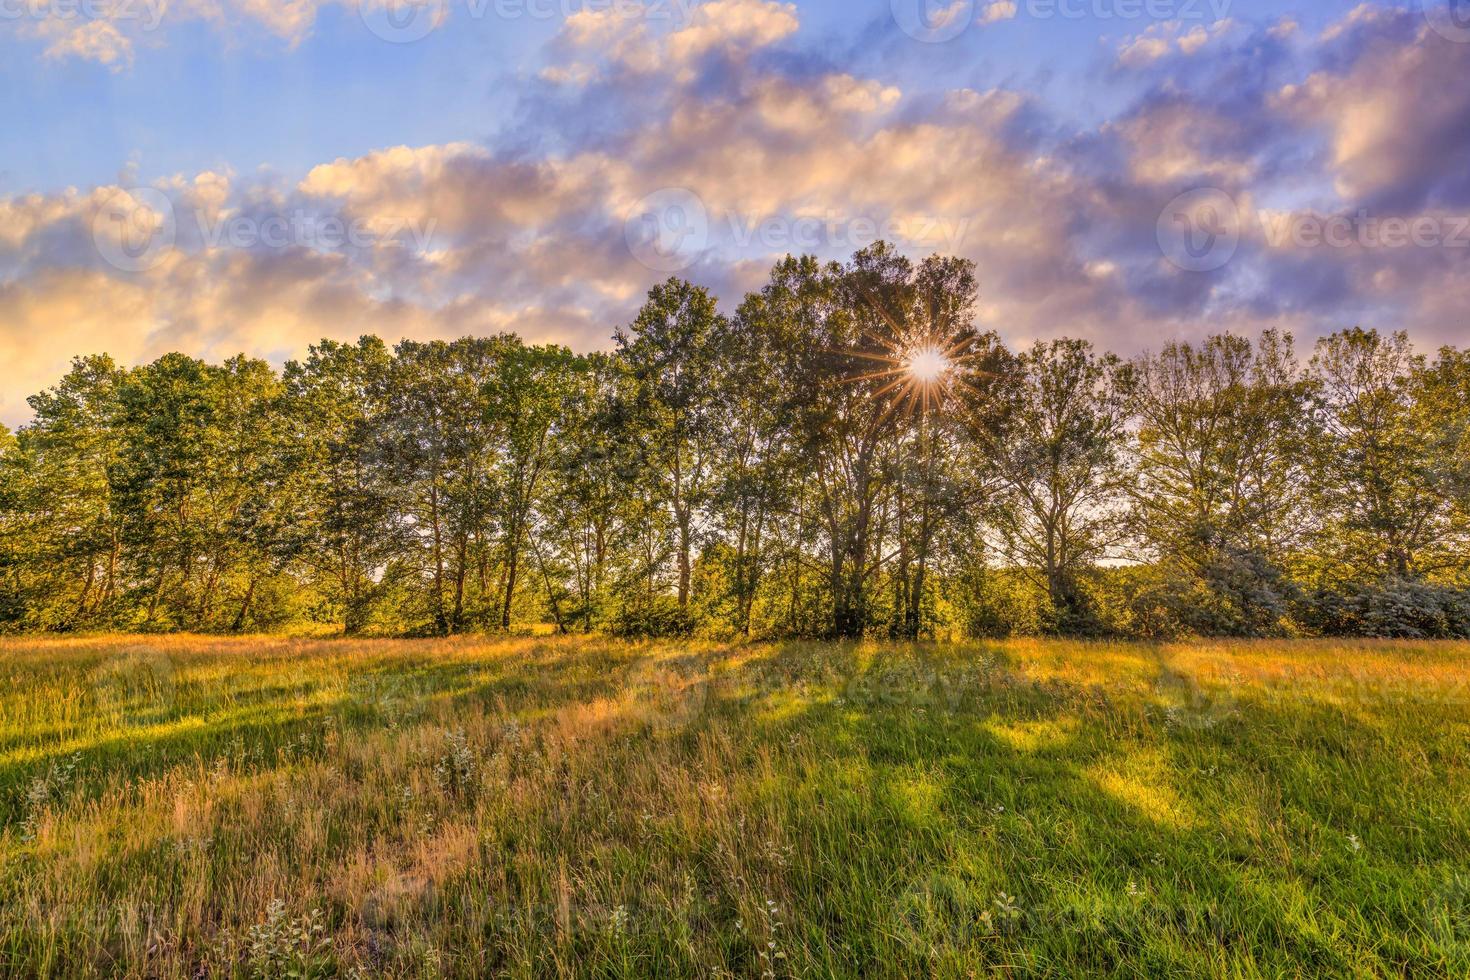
point(926, 367)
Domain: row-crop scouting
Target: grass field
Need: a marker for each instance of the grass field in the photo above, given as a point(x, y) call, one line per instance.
point(188, 806)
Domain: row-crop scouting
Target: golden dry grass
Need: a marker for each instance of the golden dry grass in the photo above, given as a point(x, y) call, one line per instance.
point(183, 806)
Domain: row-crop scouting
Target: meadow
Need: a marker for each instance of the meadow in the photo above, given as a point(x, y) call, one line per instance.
point(206, 807)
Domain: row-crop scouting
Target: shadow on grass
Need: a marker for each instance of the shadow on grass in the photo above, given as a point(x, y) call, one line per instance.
point(926, 811)
point(1122, 840)
point(263, 725)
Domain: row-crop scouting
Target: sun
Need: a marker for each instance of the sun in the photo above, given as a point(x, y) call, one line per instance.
point(920, 373)
point(927, 365)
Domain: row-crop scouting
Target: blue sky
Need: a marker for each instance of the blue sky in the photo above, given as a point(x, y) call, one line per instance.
point(1123, 170)
point(199, 97)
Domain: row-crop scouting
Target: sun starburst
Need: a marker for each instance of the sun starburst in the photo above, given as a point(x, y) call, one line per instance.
point(918, 371)
point(927, 365)
point(921, 365)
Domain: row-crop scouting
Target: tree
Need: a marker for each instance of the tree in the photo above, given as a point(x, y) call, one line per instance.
point(1381, 496)
point(65, 468)
point(1059, 457)
point(527, 397)
point(755, 466)
point(584, 502)
point(14, 536)
point(849, 455)
point(439, 438)
point(846, 338)
point(251, 503)
point(947, 376)
point(1217, 488)
point(346, 531)
point(164, 487)
point(672, 350)
point(838, 429)
point(1442, 409)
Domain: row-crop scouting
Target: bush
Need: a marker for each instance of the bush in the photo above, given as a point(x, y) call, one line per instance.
point(660, 617)
point(993, 603)
point(1396, 608)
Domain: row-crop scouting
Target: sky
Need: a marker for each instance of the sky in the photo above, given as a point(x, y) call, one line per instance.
point(225, 176)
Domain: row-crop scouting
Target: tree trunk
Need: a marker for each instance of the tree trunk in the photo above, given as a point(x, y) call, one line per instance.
point(511, 569)
point(441, 621)
point(239, 623)
point(86, 590)
point(456, 621)
point(685, 570)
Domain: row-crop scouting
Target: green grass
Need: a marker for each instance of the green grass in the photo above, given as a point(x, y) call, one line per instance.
point(187, 806)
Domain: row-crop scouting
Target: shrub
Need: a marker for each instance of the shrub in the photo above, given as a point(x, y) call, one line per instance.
point(1398, 608)
point(659, 617)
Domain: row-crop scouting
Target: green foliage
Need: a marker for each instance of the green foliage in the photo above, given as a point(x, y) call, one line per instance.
point(1218, 487)
point(1380, 490)
point(1059, 458)
point(659, 616)
point(847, 455)
point(1393, 607)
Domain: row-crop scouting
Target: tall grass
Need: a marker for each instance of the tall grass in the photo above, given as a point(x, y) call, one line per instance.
point(187, 806)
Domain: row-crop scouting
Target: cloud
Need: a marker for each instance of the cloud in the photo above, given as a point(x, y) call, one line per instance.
point(641, 40)
point(786, 153)
point(733, 26)
point(1395, 109)
point(96, 40)
point(998, 10)
point(109, 32)
point(1161, 39)
point(1169, 140)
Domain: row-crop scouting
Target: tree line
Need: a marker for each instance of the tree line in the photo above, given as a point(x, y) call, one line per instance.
point(844, 455)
